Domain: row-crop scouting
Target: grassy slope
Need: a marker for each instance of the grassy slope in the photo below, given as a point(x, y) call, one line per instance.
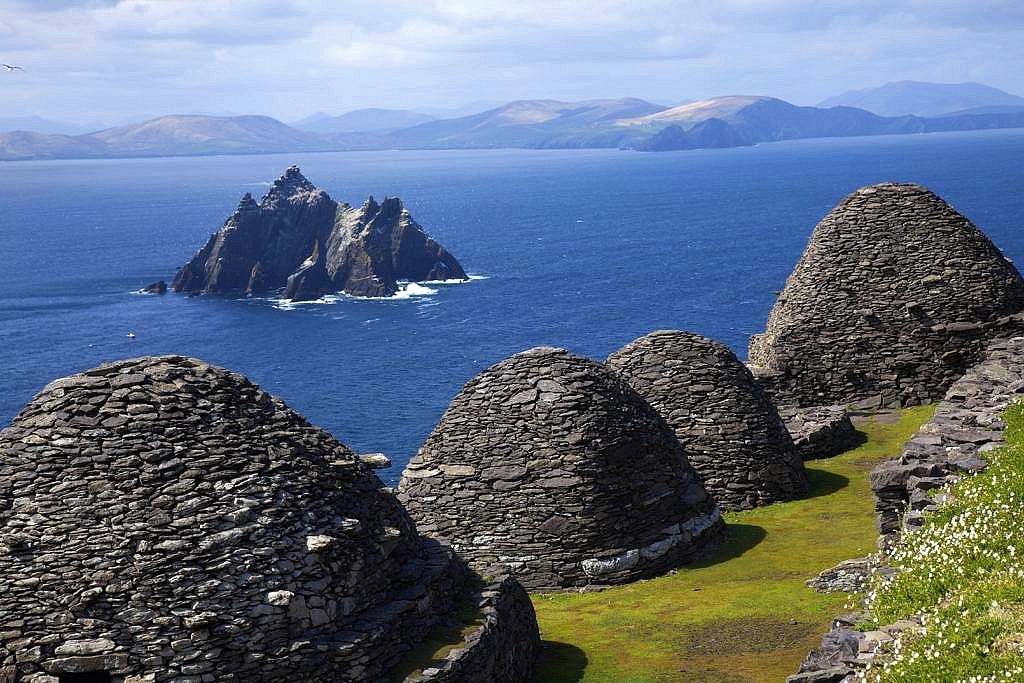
point(963, 571)
point(746, 614)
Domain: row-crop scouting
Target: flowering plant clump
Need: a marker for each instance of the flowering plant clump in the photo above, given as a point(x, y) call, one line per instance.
point(962, 571)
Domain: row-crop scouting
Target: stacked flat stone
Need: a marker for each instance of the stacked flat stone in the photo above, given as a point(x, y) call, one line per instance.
point(731, 432)
point(967, 423)
point(820, 431)
point(549, 465)
point(504, 647)
point(895, 296)
point(164, 519)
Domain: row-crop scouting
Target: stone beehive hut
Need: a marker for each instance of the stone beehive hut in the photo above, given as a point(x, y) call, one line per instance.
point(732, 434)
point(164, 519)
point(893, 298)
point(548, 464)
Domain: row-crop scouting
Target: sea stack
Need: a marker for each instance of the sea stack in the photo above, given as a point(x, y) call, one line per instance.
point(299, 239)
point(162, 518)
point(894, 298)
point(730, 430)
point(550, 466)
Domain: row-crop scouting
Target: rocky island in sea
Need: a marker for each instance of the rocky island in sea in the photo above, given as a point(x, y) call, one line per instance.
point(299, 239)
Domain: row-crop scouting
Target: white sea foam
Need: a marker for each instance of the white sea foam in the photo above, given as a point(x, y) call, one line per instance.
point(288, 304)
point(442, 282)
point(411, 289)
point(406, 290)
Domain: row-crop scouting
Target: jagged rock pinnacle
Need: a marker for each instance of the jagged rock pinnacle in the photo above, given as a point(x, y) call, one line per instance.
point(247, 203)
point(362, 252)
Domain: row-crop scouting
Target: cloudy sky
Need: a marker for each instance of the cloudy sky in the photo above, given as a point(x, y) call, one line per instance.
point(116, 61)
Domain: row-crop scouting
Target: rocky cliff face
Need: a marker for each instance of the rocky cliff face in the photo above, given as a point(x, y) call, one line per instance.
point(299, 239)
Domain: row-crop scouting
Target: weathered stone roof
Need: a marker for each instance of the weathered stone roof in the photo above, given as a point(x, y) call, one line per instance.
point(731, 432)
point(164, 516)
point(548, 464)
point(893, 299)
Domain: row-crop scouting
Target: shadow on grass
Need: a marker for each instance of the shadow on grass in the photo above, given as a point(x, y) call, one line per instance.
point(562, 663)
point(855, 440)
point(742, 537)
point(822, 483)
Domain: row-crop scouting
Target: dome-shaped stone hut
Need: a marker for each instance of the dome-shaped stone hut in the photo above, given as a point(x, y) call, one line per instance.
point(731, 432)
point(550, 465)
point(161, 518)
point(893, 298)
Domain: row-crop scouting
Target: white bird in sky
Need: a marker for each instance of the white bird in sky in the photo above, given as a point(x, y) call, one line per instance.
point(11, 67)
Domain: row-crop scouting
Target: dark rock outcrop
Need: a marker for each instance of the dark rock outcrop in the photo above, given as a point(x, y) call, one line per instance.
point(732, 434)
point(158, 287)
point(162, 518)
point(895, 296)
point(550, 466)
point(849, 576)
point(300, 239)
point(845, 652)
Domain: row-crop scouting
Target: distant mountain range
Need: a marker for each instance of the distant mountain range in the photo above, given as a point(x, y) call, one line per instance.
point(532, 124)
point(535, 124)
point(41, 125)
point(182, 135)
point(363, 121)
point(915, 98)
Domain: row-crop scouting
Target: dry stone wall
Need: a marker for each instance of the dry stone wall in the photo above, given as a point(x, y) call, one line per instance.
point(731, 432)
point(967, 423)
point(164, 519)
point(895, 296)
point(550, 466)
point(504, 649)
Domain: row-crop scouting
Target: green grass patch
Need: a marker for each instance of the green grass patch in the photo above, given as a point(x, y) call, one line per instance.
point(745, 614)
point(964, 570)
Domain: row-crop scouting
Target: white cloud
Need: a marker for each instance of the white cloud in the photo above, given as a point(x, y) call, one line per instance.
point(288, 57)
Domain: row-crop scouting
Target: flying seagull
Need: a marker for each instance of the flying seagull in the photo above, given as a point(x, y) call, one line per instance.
point(11, 67)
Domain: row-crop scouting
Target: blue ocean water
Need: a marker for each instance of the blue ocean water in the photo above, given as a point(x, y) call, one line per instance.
point(583, 249)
